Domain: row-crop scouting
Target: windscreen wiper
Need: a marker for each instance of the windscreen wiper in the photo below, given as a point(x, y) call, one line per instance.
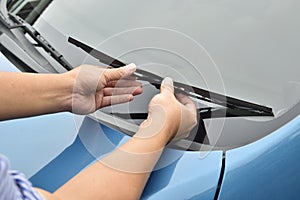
point(39, 39)
point(231, 107)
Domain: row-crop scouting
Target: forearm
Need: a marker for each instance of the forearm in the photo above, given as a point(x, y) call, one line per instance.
point(126, 170)
point(123, 173)
point(133, 163)
point(25, 94)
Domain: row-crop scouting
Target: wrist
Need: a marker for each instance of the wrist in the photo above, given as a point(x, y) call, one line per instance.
point(150, 144)
point(67, 84)
point(158, 130)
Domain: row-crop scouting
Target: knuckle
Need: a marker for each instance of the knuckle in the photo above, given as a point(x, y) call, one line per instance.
point(106, 74)
point(121, 72)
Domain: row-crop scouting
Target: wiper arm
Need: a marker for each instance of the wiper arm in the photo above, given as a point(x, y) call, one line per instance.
point(234, 107)
point(41, 41)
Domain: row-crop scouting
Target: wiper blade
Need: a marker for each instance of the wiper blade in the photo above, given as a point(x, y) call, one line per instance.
point(205, 113)
point(102, 57)
point(41, 41)
point(234, 107)
point(108, 60)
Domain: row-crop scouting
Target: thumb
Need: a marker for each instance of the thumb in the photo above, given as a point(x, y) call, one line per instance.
point(118, 73)
point(167, 85)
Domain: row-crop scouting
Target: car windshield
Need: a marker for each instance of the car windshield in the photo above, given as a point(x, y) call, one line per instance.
point(247, 50)
point(253, 45)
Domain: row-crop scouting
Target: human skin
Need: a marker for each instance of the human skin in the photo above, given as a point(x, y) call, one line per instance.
point(28, 94)
point(86, 89)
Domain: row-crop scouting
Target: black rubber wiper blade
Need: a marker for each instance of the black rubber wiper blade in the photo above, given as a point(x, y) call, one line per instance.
point(102, 57)
point(110, 61)
point(205, 113)
point(227, 101)
point(234, 107)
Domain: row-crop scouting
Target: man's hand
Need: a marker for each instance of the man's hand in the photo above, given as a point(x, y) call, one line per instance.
point(96, 87)
point(176, 117)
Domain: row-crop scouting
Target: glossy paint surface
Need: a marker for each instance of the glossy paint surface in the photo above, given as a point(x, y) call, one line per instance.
point(178, 174)
point(266, 169)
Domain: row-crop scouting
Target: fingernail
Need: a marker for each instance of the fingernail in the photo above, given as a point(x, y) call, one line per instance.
point(131, 67)
point(131, 98)
point(167, 81)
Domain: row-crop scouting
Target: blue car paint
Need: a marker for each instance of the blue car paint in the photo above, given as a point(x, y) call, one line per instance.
point(190, 175)
point(266, 169)
point(6, 65)
point(188, 178)
point(31, 143)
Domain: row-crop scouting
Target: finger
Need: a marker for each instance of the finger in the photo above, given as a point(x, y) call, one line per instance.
point(130, 77)
point(124, 83)
point(186, 101)
point(112, 100)
point(118, 91)
point(116, 74)
point(167, 86)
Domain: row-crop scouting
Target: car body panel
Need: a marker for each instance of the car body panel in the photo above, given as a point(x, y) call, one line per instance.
point(266, 169)
point(175, 172)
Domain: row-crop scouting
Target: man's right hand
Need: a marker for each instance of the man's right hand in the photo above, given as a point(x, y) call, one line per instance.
point(177, 116)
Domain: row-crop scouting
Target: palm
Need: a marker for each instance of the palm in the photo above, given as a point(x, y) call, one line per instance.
point(99, 87)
